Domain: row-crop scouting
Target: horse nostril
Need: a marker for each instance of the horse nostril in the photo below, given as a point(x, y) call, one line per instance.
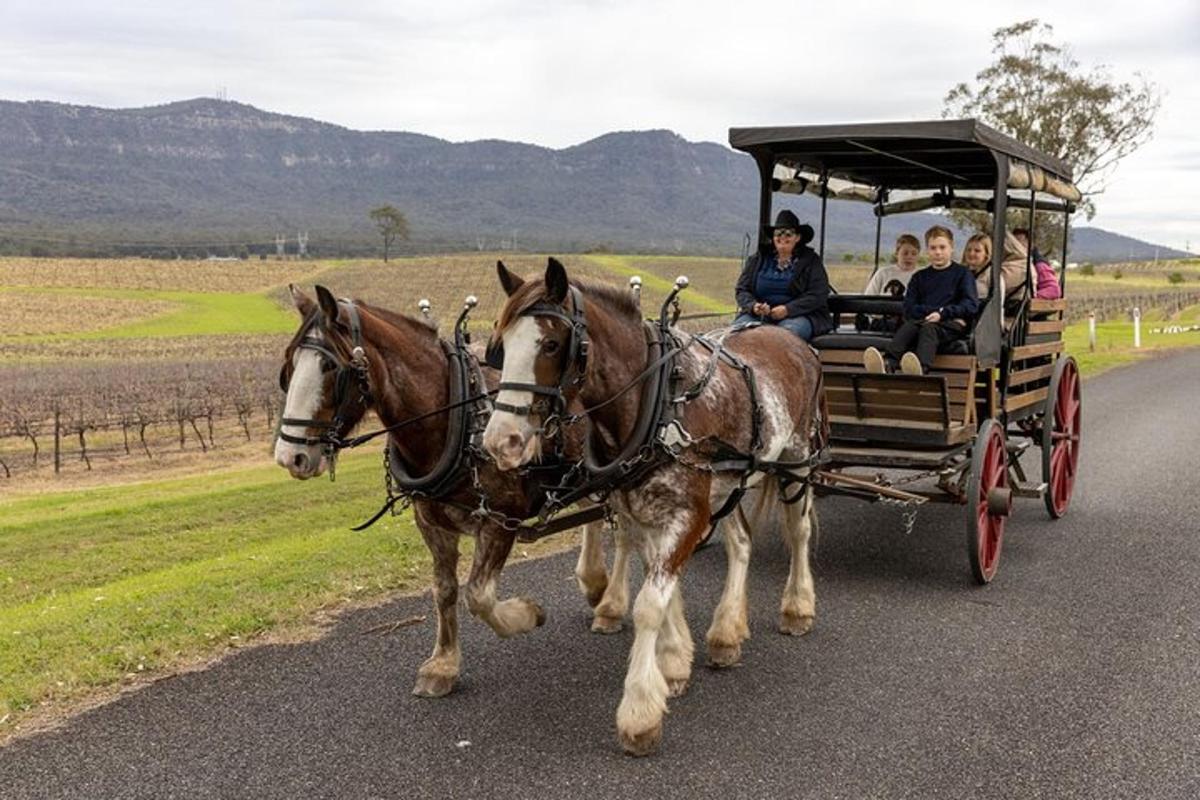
point(300, 461)
point(514, 441)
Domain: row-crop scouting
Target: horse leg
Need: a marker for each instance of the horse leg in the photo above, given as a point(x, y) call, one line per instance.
point(439, 673)
point(730, 625)
point(506, 617)
point(590, 571)
point(640, 714)
point(798, 610)
point(674, 648)
point(611, 610)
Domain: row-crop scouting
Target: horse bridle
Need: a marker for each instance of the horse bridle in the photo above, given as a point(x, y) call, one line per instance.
point(553, 401)
point(348, 370)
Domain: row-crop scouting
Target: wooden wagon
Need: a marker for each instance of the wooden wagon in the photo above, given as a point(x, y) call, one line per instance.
point(955, 434)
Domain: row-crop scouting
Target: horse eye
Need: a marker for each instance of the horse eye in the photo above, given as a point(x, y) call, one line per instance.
point(550, 347)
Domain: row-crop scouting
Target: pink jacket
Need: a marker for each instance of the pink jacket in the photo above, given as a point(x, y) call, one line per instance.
point(1047, 282)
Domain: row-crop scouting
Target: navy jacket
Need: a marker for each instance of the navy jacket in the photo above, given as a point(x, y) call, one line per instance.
point(950, 291)
point(809, 289)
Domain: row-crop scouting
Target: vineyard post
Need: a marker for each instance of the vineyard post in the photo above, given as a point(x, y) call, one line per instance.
point(57, 438)
point(1092, 331)
point(1137, 327)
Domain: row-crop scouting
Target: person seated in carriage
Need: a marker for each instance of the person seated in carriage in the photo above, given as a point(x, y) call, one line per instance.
point(939, 308)
point(891, 281)
point(1047, 280)
point(786, 284)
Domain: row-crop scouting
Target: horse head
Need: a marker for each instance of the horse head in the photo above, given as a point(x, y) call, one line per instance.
point(326, 380)
point(542, 339)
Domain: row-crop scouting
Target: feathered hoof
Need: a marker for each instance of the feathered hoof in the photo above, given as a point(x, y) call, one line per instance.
point(434, 685)
point(796, 625)
point(643, 743)
point(677, 688)
point(601, 624)
point(722, 656)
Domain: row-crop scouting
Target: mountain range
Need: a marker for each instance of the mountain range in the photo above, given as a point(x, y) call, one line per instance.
point(217, 174)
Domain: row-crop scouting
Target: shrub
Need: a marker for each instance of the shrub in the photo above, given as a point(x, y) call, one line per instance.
point(1117, 275)
point(1087, 269)
point(1175, 277)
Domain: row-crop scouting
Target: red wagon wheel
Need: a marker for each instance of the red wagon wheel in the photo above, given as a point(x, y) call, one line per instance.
point(989, 500)
point(1060, 440)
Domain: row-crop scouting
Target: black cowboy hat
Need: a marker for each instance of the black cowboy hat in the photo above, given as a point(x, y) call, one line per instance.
point(788, 219)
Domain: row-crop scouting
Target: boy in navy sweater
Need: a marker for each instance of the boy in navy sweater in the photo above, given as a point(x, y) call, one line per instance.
point(939, 306)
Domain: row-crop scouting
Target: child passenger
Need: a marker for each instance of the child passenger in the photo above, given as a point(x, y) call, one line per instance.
point(893, 279)
point(939, 307)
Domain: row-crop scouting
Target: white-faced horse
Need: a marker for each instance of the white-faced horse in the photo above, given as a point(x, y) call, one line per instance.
point(348, 358)
point(758, 395)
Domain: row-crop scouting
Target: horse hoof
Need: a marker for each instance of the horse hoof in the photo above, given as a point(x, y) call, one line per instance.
point(539, 614)
point(434, 685)
point(796, 626)
point(644, 743)
point(722, 656)
point(606, 625)
point(677, 688)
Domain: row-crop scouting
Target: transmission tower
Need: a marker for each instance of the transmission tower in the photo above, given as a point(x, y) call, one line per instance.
point(302, 243)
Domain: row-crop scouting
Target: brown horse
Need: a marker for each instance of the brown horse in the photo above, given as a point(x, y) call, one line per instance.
point(403, 371)
point(669, 509)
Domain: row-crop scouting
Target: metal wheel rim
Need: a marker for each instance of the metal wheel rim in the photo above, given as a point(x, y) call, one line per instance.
point(1060, 445)
point(985, 531)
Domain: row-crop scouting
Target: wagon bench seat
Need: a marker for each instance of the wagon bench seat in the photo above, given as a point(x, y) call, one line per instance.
point(935, 410)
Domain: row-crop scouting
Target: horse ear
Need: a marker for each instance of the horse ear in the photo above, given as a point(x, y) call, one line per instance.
point(304, 304)
point(509, 281)
point(556, 281)
point(329, 305)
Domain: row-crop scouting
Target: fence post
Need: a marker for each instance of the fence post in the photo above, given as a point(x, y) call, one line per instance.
point(1137, 327)
point(57, 439)
point(1092, 331)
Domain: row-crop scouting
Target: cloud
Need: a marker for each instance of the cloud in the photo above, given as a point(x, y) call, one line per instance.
point(562, 73)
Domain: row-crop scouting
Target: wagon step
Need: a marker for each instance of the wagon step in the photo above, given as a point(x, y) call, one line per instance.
point(1020, 484)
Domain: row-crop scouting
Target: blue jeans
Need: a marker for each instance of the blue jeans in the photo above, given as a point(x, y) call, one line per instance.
point(797, 325)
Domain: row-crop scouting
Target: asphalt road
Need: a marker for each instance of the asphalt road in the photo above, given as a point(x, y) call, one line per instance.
point(1076, 674)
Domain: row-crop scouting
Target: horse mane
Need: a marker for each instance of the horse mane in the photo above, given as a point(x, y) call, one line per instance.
point(398, 320)
point(532, 292)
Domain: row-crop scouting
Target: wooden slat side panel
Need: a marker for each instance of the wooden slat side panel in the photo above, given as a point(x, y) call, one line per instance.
point(1048, 305)
point(1019, 401)
point(1032, 374)
point(1047, 326)
point(1031, 350)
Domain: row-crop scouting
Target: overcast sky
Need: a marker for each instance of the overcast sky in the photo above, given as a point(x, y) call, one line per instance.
point(559, 73)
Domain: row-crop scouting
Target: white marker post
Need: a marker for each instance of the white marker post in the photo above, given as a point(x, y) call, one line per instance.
point(1137, 327)
point(1092, 331)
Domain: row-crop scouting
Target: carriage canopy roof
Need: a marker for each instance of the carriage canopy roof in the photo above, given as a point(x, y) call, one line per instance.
point(959, 154)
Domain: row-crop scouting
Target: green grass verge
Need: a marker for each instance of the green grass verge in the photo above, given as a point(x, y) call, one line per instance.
point(199, 314)
point(101, 584)
point(1114, 341)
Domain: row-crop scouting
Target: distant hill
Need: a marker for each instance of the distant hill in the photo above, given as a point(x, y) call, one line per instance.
point(216, 171)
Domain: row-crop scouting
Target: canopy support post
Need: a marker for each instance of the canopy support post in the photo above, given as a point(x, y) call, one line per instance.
point(1062, 277)
point(989, 331)
point(824, 203)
